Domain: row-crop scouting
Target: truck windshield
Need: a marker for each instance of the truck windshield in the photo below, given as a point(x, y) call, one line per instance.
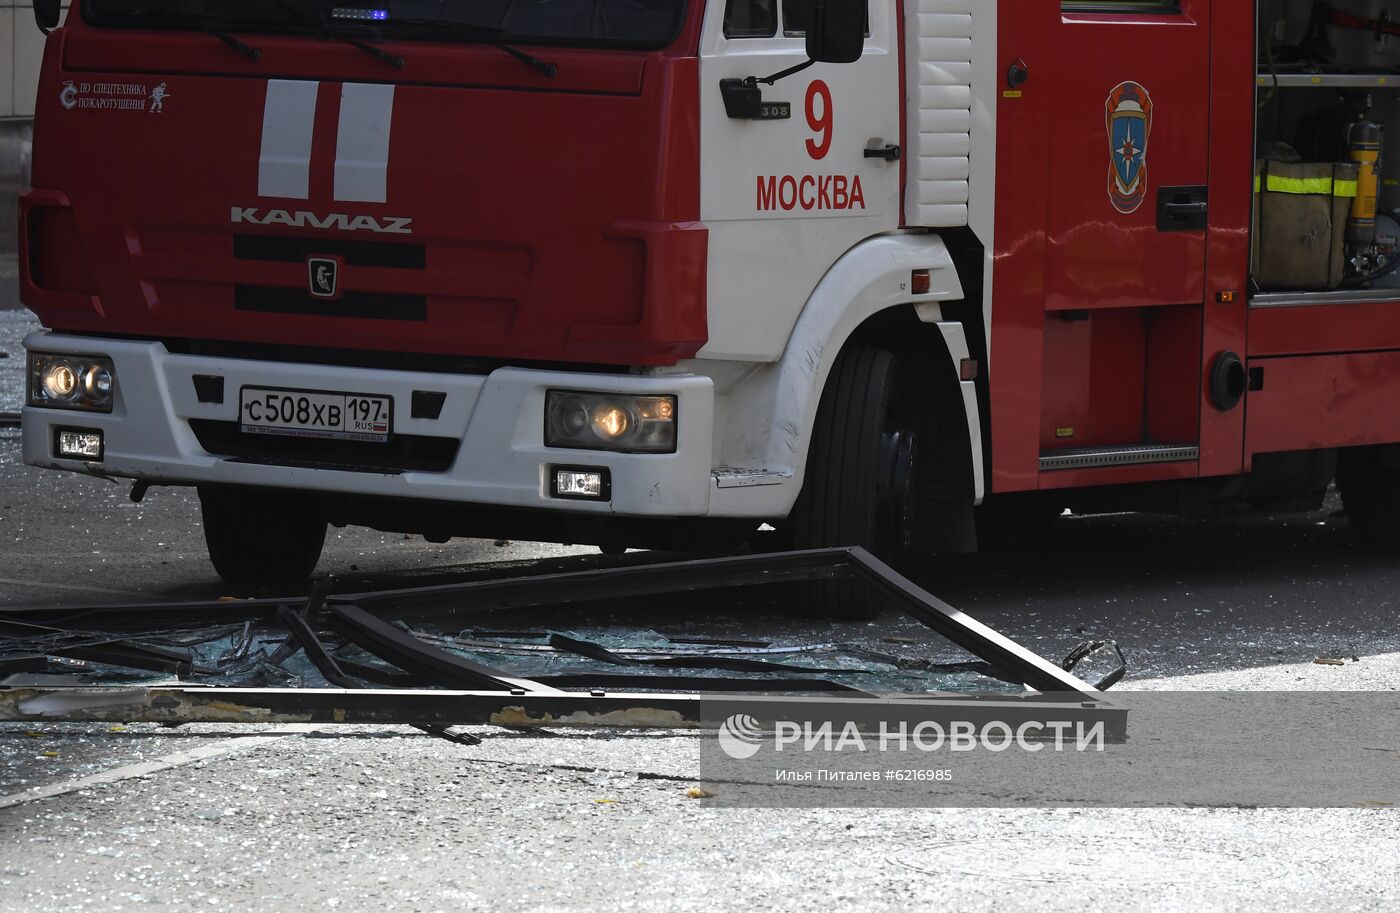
point(588, 23)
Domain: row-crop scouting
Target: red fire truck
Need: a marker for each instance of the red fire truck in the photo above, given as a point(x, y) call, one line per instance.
point(655, 273)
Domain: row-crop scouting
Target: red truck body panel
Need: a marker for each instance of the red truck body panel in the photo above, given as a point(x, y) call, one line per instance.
point(525, 218)
point(1104, 327)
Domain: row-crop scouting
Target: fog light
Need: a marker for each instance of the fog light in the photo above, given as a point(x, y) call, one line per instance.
point(581, 482)
point(619, 422)
point(79, 444)
point(85, 382)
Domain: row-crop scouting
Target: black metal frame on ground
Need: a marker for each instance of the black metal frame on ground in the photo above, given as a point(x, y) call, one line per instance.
point(442, 688)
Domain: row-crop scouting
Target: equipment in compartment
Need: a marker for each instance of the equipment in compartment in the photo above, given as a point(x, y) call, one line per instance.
point(1301, 218)
point(1388, 246)
point(1364, 148)
point(1326, 34)
point(1328, 75)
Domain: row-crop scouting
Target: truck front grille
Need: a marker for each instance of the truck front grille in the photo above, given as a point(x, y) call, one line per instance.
point(269, 299)
point(365, 305)
point(285, 249)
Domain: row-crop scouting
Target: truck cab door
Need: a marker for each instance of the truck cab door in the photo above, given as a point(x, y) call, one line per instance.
point(786, 194)
point(1104, 128)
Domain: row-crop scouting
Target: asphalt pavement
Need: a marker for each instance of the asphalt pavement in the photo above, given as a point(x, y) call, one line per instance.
point(245, 818)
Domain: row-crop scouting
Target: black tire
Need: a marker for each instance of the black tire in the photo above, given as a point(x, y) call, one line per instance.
point(260, 536)
point(1369, 481)
point(847, 470)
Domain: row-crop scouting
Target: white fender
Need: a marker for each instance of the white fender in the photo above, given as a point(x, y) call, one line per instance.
point(764, 413)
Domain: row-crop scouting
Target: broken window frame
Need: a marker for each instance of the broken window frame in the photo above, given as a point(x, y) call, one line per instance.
point(477, 694)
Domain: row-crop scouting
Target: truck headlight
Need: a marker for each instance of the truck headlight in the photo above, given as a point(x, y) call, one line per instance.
point(610, 421)
point(84, 382)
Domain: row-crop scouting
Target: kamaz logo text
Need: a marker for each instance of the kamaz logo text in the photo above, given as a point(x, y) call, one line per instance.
point(335, 221)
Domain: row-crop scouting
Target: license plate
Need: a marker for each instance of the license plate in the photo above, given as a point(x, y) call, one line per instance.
point(313, 413)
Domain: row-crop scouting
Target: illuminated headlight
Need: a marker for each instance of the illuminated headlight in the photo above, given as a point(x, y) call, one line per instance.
point(71, 382)
point(78, 444)
point(610, 421)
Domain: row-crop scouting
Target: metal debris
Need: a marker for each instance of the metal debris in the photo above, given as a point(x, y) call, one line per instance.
point(354, 658)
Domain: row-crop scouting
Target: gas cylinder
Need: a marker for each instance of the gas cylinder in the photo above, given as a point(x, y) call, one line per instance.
point(1364, 148)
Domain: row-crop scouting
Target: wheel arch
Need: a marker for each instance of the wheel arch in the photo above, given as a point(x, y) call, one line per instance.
point(865, 299)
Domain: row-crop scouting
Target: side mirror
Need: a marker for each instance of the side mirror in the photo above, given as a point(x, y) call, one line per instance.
point(837, 32)
point(47, 13)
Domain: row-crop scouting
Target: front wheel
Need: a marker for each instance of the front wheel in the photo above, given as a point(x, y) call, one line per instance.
point(262, 536)
point(860, 472)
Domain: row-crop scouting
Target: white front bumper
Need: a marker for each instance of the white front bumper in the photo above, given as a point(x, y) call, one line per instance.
point(498, 417)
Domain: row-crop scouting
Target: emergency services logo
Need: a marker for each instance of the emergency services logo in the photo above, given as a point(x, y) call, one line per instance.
point(740, 736)
point(1129, 120)
point(158, 96)
point(69, 96)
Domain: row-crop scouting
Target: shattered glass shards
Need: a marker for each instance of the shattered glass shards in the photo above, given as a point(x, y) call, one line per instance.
point(253, 655)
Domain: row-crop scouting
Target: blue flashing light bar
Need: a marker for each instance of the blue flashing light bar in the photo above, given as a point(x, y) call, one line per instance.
point(361, 15)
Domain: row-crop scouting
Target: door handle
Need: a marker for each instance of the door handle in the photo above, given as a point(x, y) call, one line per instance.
point(744, 101)
point(889, 153)
point(1183, 208)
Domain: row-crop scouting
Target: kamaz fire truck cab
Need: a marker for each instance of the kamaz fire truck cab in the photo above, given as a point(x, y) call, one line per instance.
point(653, 273)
